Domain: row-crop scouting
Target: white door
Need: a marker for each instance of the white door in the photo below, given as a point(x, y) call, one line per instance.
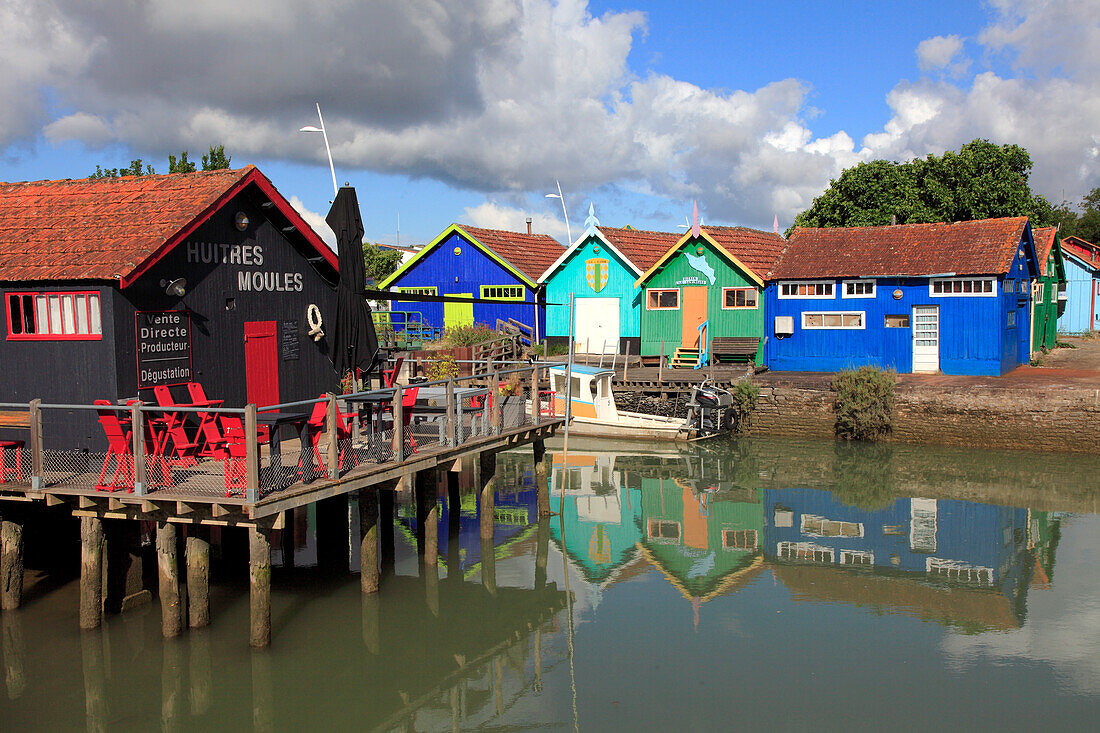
point(926, 338)
point(597, 326)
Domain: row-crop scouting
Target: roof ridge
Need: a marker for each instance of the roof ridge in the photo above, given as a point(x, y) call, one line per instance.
point(111, 180)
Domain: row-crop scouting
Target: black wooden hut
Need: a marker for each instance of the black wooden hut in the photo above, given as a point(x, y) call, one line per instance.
point(114, 286)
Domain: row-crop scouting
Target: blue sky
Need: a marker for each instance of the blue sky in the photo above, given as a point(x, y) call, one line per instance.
point(469, 111)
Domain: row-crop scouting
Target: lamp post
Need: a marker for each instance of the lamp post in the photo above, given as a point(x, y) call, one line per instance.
point(321, 129)
point(558, 195)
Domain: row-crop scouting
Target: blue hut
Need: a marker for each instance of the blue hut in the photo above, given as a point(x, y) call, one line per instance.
point(1082, 311)
point(476, 263)
point(951, 298)
point(600, 269)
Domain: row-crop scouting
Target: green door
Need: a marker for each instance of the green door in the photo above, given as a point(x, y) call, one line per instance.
point(458, 314)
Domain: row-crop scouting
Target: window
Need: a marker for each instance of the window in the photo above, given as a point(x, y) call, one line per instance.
point(669, 532)
point(804, 551)
point(959, 571)
point(662, 300)
point(1037, 293)
point(955, 286)
point(816, 526)
point(833, 319)
point(54, 316)
point(897, 321)
point(738, 298)
point(1010, 286)
point(418, 291)
point(856, 557)
point(813, 289)
point(502, 292)
point(859, 289)
point(739, 539)
point(1012, 318)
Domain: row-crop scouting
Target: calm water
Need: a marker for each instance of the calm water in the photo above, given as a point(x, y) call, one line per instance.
point(761, 584)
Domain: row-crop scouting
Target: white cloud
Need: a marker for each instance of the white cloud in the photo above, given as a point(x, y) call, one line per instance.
point(316, 222)
point(937, 52)
point(492, 215)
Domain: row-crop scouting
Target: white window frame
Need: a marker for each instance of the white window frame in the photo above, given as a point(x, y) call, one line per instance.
point(804, 552)
point(844, 289)
point(822, 521)
point(745, 533)
point(755, 302)
point(662, 290)
point(831, 284)
point(1037, 292)
point(857, 557)
point(932, 284)
point(418, 290)
point(862, 320)
point(55, 315)
point(1010, 321)
point(959, 571)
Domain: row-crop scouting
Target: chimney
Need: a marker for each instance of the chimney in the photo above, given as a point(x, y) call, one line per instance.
point(528, 225)
point(893, 220)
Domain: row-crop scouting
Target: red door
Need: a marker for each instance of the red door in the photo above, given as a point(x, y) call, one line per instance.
point(261, 362)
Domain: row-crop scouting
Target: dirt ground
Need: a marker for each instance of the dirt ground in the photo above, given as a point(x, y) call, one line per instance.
point(1086, 355)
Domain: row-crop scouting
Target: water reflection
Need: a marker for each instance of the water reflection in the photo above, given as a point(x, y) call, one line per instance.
point(917, 572)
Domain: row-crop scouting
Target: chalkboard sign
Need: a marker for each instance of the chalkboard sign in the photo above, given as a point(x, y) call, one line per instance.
point(163, 348)
point(290, 344)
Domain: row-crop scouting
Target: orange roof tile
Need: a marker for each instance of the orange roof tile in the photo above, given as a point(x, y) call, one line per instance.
point(757, 250)
point(108, 228)
point(1044, 241)
point(643, 248)
point(531, 254)
point(966, 248)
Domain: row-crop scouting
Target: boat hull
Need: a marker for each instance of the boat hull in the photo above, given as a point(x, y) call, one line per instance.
point(633, 427)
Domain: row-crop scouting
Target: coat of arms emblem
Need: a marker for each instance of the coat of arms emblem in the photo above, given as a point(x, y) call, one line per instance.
point(596, 272)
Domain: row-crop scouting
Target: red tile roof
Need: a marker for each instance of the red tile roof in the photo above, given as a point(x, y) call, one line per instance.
point(640, 247)
point(531, 254)
point(757, 250)
point(1044, 242)
point(982, 247)
point(1082, 250)
point(111, 228)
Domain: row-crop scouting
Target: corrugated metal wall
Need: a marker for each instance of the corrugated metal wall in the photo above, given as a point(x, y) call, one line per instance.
point(1080, 289)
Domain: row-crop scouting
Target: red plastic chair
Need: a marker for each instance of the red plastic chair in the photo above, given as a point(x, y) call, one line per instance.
point(213, 442)
point(236, 451)
point(389, 376)
point(408, 402)
point(17, 472)
point(183, 446)
point(119, 446)
point(316, 425)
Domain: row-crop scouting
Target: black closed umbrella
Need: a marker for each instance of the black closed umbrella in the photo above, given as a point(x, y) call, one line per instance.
point(354, 342)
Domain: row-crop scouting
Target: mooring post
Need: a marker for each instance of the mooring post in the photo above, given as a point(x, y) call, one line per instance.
point(171, 609)
point(137, 435)
point(451, 427)
point(91, 572)
point(252, 454)
point(661, 364)
point(11, 559)
point(37, 444)
point(259, 584)
point(494, 400)
point(626, 361)
point(332, 436)
point(542, 483)
point(397, 410)
point(368, 540)
point(487, 461)
point(534, 395)
point(197, 550)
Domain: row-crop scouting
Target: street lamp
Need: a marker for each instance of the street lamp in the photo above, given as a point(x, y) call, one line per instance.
point(321, 129)
point(558, 195)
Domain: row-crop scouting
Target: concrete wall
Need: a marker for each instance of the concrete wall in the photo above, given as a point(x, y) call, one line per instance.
point(1063, 419)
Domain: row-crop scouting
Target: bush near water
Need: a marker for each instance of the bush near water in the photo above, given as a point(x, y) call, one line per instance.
point(864, 402)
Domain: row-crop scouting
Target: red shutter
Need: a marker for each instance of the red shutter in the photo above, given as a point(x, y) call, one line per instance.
point(261, 362)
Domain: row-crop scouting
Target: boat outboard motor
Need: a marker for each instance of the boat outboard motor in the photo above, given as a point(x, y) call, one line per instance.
point(710, 410)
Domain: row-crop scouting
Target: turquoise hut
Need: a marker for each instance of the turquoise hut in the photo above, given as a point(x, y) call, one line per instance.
point(600, 269)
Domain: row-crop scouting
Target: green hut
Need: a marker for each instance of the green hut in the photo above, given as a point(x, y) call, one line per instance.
point(704, 298)
point(1045, 290)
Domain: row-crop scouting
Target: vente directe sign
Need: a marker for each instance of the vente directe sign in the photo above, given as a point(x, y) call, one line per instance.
point(163, 348)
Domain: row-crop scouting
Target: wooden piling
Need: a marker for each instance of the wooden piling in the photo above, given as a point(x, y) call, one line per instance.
point(487, 461)
point(368, 540)
point(385, 533)
point(259, 582)
point(168, 571)
point(542, 484)
point(94, 668)
point(14, 653)
point(197, 552)
point(91, 572)
point(488, 565)
point(200, 670)
point(454, 517)
point(371, 621)
point(427, 513)
point(542, 552)
point(11, 560)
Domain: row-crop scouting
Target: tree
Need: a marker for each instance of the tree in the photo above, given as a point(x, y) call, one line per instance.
point(381, 262)
point(137, 168)
point(1085, 225)
point(981, 181)
point(182, 165)
point(216, 159)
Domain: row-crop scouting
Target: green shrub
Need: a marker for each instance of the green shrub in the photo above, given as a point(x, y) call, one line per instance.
point(864, 402)
point(468, 335)
point(745, 395)
point(1064, 345)
point(443, 366)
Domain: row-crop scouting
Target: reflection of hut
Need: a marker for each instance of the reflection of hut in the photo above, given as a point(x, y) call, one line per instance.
point(705, 544)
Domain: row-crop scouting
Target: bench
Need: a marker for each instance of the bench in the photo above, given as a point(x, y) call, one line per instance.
point(734, 348)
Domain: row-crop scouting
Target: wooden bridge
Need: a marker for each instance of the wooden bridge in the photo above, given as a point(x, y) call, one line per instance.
point(407, 438)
